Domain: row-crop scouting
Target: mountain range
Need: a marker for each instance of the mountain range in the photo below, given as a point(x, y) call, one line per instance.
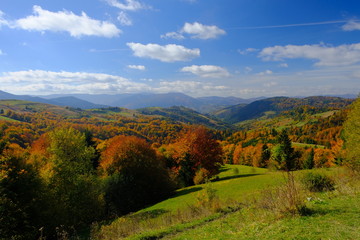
point(132, 101)
point(230, 109)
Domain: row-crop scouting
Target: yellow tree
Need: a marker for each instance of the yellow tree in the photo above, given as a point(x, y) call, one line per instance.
point(352, 136)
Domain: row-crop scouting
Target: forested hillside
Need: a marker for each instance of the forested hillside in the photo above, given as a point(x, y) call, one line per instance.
point(85, 166)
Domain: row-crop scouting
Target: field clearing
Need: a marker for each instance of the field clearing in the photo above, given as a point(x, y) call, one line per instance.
point(230, 186)
point(332, 218)
point(241, 185)
point(333, 215)
point(308, 145)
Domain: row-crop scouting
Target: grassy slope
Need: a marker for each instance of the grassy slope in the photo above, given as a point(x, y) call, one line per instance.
point(229, 186)
point(332, 218)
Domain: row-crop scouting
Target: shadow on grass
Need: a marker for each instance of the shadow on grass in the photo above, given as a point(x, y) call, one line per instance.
point(186, 191)
point(235, 176)
point(224, 169)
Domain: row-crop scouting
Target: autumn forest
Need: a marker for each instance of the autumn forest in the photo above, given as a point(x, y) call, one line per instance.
point(63, 168)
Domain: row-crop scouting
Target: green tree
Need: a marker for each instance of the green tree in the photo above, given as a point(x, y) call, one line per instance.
point(283, 153)
point(309, 161)
point(75, 190)
point(19, 199)
point(352, 136)
point(265, 155)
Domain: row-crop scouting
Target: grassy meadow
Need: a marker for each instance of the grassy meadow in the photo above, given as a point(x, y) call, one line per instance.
point(235, 206)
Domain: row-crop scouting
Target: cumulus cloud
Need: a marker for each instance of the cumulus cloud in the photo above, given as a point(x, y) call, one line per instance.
point(124, 19)
point(66, 21)
point(40, 82)
point(173, 35)
point(207, 71)
point(127, 5)
point(248, 50)
point(137, 67)
point(196, 30)
point(200, 31)
point(167, 53)
point(351, 26)
point(325, 55)
point(44, 82)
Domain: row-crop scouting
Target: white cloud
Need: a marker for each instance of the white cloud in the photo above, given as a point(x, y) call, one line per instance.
point(351, 26)
point(45, 82)
point(266, 72)
point(39, 82)
point(248, 50)
point(325, 55)
point(284, 65)
point(207, 71)
point(248, 69)
point(174, 35)
point(66, 21)
point(129, 5)
point(270, 84)
point(137, 67)
point(124, 19)
point(3, 21)
point(201, 31)
point(189, 87)
point(1, 52)
point(167, 53)
point(196, 30)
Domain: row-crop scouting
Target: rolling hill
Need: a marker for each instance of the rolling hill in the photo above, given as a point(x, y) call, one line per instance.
point(276, 105)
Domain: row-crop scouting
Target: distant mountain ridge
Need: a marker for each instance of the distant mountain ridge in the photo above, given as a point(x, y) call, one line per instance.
point(229, 108)
point(256, 109)
point(60, 101)
point(165, 100)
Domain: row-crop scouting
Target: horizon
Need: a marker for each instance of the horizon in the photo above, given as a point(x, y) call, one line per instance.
point(244, 49)
point(56, 95)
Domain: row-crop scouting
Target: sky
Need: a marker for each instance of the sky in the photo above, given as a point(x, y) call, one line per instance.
point(241, 48)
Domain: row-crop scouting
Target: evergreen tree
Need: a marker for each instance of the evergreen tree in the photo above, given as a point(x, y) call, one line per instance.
point(283, 153)
point(309, 161)
point(265, 155)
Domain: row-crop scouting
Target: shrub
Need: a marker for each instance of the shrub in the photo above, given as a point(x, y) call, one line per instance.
point(201, 176)
point(317, 182)
point(287, 199)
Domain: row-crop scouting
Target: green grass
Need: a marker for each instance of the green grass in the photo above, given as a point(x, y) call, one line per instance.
point(240, 215)
point(228, 186)
point(296, 144)
point(178, 213)
point(332, 218)
point(325, 114)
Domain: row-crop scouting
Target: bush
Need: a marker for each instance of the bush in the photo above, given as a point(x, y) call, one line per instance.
point(201, 176)
point(287, 199)
point(317, 182)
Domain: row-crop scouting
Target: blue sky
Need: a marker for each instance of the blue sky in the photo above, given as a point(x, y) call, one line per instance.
point(242, 48)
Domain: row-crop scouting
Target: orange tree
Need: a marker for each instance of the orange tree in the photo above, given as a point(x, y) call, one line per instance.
point(196, 153)
point(134, 174)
